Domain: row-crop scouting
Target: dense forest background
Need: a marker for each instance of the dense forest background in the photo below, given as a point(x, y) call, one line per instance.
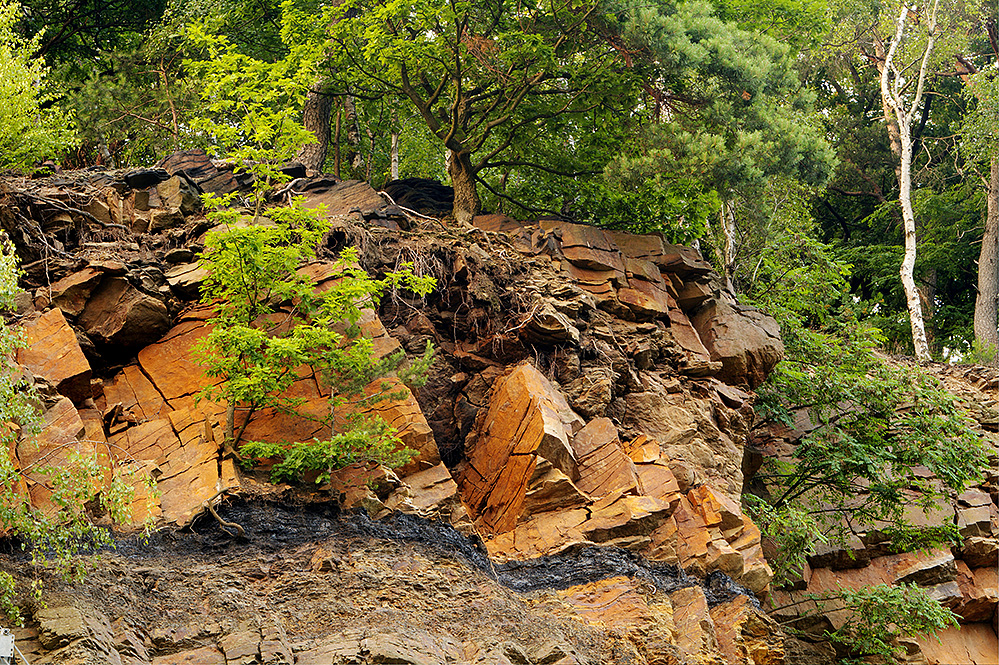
point(765, 132)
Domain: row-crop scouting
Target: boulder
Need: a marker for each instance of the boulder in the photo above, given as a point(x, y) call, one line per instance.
point(592, 392)
point(978, 592)
point(52, 351)
point(138, 398)
point(340, 197)
point(432, 492)
point(161, 220)
point(241, 648)
point(686, 262)
point(494, 222)
point(979, 551)
point(544, 533)
point(62, 435)
point(851, 553)
point(746, 341)
point(186, 279)
point(685, 335)
point(184, 450)
point(197, 166)
point(692, 293)
point(181, 194)
point(603, 466)
point(119, 314)
point(146, 178)
point(621, 516)
point(549, 489)
point(70, 293)
point(527, 418)
point(646, 247)
point(588, 247)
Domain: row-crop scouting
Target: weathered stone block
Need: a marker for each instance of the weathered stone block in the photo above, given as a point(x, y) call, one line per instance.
point(52, 351)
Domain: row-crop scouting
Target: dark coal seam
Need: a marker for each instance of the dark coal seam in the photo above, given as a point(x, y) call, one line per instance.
point(561, 571)
point(277, 526)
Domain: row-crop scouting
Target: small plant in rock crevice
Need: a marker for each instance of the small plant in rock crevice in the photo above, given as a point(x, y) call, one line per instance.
point(272, 325)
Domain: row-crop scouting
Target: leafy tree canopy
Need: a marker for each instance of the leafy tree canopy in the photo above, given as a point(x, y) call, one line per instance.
point(31, 128)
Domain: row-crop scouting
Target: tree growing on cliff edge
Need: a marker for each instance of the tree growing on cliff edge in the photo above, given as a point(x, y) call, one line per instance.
point(870, 425)
point(270, 323)
point(483, 76)
point(980, 145)
point(270, 320)
point(901, 95)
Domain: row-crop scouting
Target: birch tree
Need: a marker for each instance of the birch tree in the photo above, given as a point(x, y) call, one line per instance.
point(901, 96)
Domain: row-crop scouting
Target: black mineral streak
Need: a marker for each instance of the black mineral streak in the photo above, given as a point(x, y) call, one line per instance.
point(272, 527)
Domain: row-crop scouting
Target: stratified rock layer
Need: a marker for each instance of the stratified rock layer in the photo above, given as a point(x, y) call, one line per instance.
point(590, 388)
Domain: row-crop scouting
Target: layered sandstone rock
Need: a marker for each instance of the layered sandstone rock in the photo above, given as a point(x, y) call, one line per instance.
point(962, 577)
point(589, 389)
point(52, 351)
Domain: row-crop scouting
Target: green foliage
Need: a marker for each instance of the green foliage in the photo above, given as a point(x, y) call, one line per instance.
point(979, 128)
point(78, 32)
point(487, 79)
point(872, 428)
point(252, 108)
point(733, 112)
point(982, 353)
point(869, 426)
point(873, 425)
point(366, 440)
point(132, 104)
point(270, 320)
point(793, 531)
point(677, 208)
point(800, 23)
point(881, 614)
point(31, 126)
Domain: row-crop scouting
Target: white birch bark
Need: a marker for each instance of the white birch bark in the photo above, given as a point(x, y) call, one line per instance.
point(894, 97)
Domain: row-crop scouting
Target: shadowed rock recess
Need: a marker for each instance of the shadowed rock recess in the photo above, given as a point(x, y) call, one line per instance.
point(581, 442)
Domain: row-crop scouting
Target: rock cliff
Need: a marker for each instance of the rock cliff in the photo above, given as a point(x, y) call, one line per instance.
point(589, 409)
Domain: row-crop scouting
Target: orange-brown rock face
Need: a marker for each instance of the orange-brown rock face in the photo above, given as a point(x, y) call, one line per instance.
point(590, 388)
point(538, 487)
point(527, 419)
point(52, 351)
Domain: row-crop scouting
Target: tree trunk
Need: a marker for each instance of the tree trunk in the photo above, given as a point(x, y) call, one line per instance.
point(928, 298)
point(907, 271)
point(986, 318)
point(316, 117)
point(354, 155)
point(728, 228)
point(466, 199)
point(336, 143)
point(892, 76)
point(394, 170)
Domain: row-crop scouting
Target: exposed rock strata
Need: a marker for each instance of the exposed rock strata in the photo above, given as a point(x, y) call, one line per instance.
point(591, 388)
